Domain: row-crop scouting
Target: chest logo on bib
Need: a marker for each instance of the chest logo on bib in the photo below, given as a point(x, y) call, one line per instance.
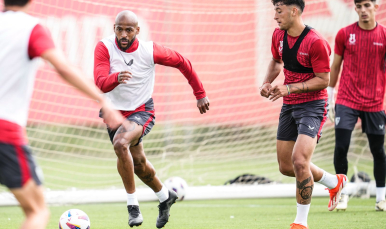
point(352, 39)
point(130, 62)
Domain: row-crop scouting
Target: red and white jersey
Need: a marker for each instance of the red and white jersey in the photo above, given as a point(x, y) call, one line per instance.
point(362, 82)
point(21, 40)
point(314, 52)
point(140, 59)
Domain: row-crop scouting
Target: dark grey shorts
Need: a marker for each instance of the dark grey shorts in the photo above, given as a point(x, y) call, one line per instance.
point(17, 166)
point(305, 118)
point(372, 122)
point(143, 115)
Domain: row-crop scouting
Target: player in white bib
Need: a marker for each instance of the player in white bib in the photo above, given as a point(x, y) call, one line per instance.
point(124, 70)
point(23, 40)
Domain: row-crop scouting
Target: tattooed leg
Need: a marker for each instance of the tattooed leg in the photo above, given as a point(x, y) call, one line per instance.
point(144, 169)
point(304, 190)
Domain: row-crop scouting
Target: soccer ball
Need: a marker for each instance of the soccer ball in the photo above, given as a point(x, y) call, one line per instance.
point(74, 219)
point(178, 185)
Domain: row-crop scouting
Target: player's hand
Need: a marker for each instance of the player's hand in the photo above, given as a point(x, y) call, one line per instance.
point(124, 76)
point(113, 118)
point(264, 90)
point(277, 91)
point(203, 105)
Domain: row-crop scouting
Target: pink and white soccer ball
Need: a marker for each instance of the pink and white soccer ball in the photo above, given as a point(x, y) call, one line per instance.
point(74, 219)
point(178, 185)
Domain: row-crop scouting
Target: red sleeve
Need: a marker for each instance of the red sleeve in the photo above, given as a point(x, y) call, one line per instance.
point(274, 47)
point(320, 56)
point(104, 81)
point(167, 57)
point(39, 41)
point(339, 42)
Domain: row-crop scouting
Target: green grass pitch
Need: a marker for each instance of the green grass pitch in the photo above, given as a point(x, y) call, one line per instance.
point(245, 214)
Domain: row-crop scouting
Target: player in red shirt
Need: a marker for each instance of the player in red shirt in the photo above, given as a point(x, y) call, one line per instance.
point(122, 62)
point(18, 170)
point(361, 47)
point(305, 55)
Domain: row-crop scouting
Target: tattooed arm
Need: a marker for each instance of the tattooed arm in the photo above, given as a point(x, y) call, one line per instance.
point(319, 82)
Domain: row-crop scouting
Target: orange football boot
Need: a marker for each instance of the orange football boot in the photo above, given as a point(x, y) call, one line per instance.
point(297, 226)
point(335, 192)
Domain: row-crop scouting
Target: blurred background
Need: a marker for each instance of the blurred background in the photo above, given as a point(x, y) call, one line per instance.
point(228, 43)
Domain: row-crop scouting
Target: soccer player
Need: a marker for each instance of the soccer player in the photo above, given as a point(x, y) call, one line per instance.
point(124, 71)
point(23, 41)
point(305, 55)
point(361, 47)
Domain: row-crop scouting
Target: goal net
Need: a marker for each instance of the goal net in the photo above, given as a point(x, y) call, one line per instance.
point(229, 46)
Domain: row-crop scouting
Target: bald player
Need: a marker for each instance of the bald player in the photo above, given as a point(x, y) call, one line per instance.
point(124, 71)
point(24, 41)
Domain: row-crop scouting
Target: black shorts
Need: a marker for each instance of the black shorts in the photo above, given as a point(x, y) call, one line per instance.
point(144, 116)
point(372, 122)
point(17, 166)
point(304, 118)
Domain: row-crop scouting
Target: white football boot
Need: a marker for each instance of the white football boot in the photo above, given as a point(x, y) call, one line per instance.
point(342, 205)
point(380, 206)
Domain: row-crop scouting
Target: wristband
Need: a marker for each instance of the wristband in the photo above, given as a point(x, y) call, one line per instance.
point(288, 89)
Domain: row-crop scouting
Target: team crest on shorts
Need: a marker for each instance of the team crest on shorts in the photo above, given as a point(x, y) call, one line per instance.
point(337, 119)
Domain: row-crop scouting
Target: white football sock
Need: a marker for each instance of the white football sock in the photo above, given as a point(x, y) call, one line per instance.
point(344, 191)
point(132, 199)
point(328, 180)
point(163, 194)
point(302, 214)
point(380, 194)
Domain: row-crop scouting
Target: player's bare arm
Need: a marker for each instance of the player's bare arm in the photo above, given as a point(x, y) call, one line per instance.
point(203, 104)
point(334, 76)
point(274, 68)
point(75, 78)
point(319, 82)
point(335, 69)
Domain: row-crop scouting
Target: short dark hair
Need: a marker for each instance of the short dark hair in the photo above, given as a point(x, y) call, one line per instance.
point(359, 1)
point(299, 3)
point(15, 2)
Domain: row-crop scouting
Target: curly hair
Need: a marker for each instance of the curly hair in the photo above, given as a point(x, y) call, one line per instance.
point(299, 3)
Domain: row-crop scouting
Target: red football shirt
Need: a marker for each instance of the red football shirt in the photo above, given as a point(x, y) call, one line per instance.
point(362, 83)
point(314, 52)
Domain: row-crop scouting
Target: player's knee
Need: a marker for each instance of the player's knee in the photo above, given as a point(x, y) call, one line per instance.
point(300, 165)
point(140, 167)
point(286, 170)
point(120, 147)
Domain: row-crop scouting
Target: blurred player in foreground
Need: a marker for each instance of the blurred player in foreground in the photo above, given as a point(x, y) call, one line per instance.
point(305, 55)
point(125, 70)
point(23, 40)
point(361, 47)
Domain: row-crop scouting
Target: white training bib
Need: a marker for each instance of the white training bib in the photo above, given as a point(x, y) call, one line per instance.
point(17, 70)
point(140, 63)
